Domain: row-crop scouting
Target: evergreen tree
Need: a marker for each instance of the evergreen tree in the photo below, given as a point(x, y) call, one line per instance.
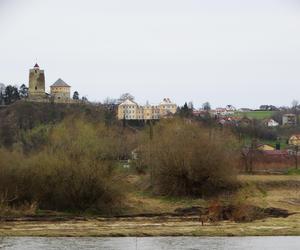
point(206, 106)
point(11, 94)
point(185, 111)
point(84, 99)
point(23, 91)
point(191, 105)
point(2, 92)
point(1, 98)
point(76, 95)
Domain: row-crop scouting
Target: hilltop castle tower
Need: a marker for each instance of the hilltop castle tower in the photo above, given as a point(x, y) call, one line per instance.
point(36, 83)
point(60, 91)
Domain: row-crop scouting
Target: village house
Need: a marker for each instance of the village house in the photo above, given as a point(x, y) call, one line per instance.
point(228, 121)
point(202, 113)
point(222, 112)
point(270, 123)
point(230, 108)
point(294, 140)
point(289, 120)
point(130, 110)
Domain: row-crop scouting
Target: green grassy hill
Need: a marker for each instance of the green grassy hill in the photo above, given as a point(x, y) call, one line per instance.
point(260, 115)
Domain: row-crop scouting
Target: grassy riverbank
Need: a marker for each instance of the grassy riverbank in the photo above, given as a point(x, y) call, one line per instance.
point(264, 191)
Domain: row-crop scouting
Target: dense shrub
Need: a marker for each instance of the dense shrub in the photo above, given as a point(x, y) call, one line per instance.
point(75, 170)
point(186, 159)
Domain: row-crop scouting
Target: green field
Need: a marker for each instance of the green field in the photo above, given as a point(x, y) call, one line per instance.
point(260, 115)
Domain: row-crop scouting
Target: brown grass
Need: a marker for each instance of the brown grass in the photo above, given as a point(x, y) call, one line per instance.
point(139, 202)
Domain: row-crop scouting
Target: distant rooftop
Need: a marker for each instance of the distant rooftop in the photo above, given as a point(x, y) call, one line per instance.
point(166, 101)
point(128, 102)
point(60, 83)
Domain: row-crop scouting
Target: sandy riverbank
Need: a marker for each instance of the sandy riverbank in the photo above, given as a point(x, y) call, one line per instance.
point(156, 226)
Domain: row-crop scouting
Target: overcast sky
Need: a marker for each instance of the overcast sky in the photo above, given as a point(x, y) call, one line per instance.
point(244, 53)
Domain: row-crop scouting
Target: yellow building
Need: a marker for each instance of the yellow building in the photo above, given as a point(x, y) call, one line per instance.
point(265, 147)
point(295, 140)
point(151, 112)
point(167, 107)
point(60, 91)
point(130, 110)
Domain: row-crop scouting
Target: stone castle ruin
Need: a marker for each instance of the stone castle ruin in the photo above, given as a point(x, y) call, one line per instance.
point(59, 91)
point(36, 83)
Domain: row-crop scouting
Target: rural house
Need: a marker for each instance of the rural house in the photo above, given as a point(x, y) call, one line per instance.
point(271, 123)
point(289, 120)
point(295, 140)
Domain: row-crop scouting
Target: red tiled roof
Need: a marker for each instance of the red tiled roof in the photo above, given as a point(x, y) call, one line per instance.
point(276, 152)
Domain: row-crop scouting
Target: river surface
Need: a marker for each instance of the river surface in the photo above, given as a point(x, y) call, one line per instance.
point(152, 243)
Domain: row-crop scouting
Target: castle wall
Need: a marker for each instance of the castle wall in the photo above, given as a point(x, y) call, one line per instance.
point(61, 92)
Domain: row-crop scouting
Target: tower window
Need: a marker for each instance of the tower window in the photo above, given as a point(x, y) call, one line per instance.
point(35, 87)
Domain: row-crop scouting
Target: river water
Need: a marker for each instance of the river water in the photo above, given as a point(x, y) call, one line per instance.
point(152, 243)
